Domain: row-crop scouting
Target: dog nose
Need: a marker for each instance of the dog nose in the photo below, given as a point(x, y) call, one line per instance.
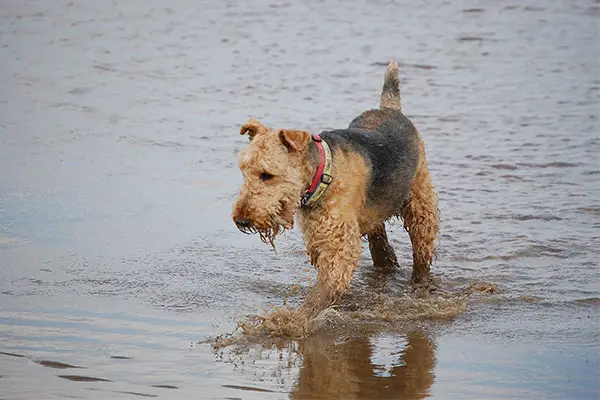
point(242, 223)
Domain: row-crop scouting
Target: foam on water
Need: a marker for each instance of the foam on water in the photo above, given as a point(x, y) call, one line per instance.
point(360, 308)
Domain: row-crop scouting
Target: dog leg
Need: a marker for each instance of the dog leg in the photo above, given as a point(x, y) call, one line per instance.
point(334, 249)
point(421, 221)
point(382, 253)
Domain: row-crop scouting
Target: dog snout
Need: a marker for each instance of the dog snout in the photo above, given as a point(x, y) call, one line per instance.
point(242, 223)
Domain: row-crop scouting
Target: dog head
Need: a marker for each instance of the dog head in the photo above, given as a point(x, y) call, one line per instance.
point(276, 173)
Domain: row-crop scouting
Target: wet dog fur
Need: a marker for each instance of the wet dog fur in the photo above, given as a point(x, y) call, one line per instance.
point(379, 172)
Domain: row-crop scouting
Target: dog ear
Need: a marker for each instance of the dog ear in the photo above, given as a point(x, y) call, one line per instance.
point(295, 140)
point(253, 127)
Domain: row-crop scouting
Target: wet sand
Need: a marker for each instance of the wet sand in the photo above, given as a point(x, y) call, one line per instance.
point(119, 263)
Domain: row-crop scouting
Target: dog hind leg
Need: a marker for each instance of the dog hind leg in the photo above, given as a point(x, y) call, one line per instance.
point(421, 220)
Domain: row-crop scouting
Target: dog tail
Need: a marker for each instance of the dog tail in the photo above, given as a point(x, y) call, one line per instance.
point(390, 95)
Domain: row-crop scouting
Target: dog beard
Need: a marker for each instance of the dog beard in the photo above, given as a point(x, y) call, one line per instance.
point(268, 234)
point(279, 222)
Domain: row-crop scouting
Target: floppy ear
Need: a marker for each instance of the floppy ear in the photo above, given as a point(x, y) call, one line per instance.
point(253, 127)
point(295, 140)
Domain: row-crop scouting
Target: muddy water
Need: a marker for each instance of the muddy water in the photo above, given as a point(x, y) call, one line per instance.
point(118, 259)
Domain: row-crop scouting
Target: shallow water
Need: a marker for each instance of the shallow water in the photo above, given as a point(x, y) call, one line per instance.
point(118, 168)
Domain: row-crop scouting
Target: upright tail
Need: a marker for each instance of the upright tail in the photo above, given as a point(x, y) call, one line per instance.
point(390, 95)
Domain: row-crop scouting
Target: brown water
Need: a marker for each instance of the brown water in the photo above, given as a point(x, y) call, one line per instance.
point(119, 263)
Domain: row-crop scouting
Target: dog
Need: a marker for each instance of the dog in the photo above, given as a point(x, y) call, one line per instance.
point(342, 185)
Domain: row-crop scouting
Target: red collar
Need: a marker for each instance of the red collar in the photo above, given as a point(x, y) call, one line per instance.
point(322, 177)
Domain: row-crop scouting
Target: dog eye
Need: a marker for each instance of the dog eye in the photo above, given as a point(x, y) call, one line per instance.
point(265, 176)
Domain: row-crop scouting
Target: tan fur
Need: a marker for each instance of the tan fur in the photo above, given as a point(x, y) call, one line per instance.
point(331, 230)
point(278, 168)
point(370, 219)
point(333, 227)
point(390, 96)
point(272, 204)
point(252, 128)
point(421, 219)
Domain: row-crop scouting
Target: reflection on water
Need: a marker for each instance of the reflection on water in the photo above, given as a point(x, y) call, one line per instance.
point(372, 367)
point(342, 364)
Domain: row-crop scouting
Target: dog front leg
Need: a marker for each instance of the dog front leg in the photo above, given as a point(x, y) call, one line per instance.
point(335, 253)
point(382, 253)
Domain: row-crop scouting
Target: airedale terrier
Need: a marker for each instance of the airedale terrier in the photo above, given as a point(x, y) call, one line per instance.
point(342, 184)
